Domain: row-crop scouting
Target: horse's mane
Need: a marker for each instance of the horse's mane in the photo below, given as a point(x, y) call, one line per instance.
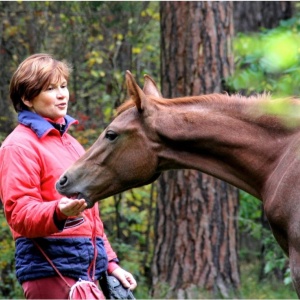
point(241, 107)
point(218, 99)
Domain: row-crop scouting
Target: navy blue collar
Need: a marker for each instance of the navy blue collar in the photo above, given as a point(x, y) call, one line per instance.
point(38, 124)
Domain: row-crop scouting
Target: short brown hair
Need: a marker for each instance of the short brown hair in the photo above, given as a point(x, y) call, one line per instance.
point(33, 76)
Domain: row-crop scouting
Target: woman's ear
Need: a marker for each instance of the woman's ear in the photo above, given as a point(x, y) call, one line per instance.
point(28, 103)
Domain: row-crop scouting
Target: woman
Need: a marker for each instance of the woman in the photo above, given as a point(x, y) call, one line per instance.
point(32, 158)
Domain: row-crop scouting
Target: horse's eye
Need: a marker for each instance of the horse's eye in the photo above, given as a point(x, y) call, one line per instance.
point(111, 135)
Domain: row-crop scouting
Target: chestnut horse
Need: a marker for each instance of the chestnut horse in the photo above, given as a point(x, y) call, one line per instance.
point(229, 137)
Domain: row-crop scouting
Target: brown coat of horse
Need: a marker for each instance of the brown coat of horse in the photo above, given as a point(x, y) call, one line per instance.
point(229, 137)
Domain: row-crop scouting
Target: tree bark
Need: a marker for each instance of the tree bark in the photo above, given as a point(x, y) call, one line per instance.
point(250, 16)
point(196, 224)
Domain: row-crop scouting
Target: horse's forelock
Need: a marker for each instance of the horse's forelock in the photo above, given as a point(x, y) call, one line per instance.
point(126, 105)
point(131, 103)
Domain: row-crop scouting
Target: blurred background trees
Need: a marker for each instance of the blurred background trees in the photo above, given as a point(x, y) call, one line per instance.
point(102, 40)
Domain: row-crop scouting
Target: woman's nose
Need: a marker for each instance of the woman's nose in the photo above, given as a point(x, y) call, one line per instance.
point(61, 93)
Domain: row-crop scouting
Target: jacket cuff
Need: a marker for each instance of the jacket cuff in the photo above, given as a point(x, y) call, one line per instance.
point(111, 267)
point(60, 215)
point(59, 218)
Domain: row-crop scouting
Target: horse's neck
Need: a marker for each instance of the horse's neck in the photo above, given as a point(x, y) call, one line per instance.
point(222, 140)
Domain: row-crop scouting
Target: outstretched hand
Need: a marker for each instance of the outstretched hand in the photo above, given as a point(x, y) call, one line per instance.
point(126, 278)
point(72, 207)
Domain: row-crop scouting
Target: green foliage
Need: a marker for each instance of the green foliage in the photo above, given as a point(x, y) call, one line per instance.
point(128, 220)
point(254, 284)
point(250, 224)
point(268, 61)
point(252, 288)
point(9, 287)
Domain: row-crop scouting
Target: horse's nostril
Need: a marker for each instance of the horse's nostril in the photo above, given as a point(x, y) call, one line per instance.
point(63, 181)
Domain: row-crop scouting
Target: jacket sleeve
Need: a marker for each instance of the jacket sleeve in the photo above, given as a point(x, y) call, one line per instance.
point(111, 255)
point(20, 192)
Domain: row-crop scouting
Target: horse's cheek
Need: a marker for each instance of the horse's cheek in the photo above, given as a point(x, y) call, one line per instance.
point(139, 166)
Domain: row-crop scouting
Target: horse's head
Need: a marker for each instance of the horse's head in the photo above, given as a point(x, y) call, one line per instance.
point(123, 156)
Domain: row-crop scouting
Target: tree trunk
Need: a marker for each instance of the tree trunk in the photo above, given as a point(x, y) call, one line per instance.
point(196, 224)
point(250, 16)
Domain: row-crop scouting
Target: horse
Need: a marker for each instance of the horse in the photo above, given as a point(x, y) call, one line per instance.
point(231, 137)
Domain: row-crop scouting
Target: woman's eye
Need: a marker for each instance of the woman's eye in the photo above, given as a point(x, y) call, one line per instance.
point(111, 135)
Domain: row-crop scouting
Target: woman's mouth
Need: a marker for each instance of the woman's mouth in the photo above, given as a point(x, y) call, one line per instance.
point(61, 105)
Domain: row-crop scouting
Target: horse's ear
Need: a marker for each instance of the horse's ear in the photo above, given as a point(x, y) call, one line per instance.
point(134, 91)
point(150, 87)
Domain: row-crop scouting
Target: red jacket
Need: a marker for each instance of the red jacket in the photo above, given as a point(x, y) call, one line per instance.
point(32, 158)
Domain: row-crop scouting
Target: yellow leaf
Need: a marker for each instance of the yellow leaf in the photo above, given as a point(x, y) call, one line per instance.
point(136, 50)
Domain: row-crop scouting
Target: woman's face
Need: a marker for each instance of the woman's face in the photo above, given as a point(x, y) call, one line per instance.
point(51, 103)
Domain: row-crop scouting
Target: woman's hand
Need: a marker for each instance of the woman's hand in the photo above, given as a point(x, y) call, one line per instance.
point(125, 278)
point(72, 207)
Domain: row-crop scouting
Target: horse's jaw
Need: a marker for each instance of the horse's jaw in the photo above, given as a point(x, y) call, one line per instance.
point(100, 191)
